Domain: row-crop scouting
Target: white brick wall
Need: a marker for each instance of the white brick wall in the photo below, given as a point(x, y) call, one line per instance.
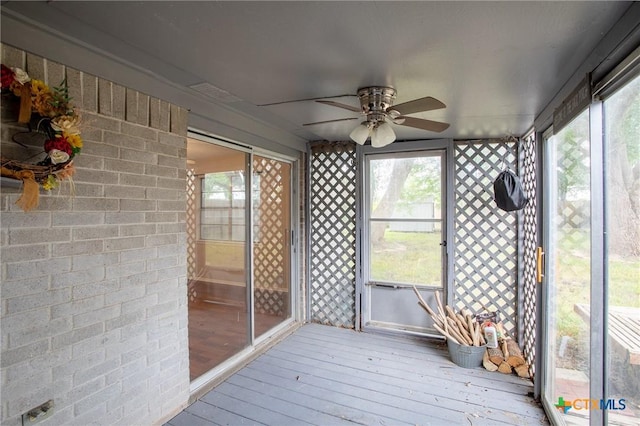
point(93, 295)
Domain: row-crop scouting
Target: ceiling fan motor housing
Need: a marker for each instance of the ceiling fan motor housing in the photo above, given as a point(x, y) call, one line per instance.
point(376, 104)
point(375, 101)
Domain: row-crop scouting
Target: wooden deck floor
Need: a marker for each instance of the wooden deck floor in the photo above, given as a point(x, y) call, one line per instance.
point(324, 375)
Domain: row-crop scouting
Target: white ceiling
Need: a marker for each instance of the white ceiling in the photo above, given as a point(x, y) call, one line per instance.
point(495, 65)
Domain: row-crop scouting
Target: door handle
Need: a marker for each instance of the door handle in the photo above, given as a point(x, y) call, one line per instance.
point(387, 286)
point(539, 264)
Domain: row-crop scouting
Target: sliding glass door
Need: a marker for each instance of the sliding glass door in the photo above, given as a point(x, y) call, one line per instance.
point(591, 290)
point(219, 324)
point(271, 242)
point(568, 275)
point(239, 251)
point(622, 261)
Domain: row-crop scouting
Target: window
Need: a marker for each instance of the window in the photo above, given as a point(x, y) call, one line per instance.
point(405, 221)
point(222, 215)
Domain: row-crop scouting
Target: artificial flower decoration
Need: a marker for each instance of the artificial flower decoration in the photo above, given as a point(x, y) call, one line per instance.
point(76, 143)
point(47, 111)
point(58, 157)
point(8, 77)
point(58, 144)
point(67, 124)
point(20, 75)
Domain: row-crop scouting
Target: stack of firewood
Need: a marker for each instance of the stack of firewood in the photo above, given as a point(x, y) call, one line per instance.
point(462, 328)
point(507, 357)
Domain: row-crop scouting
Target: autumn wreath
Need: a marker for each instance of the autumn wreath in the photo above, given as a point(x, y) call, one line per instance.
point(48, 112)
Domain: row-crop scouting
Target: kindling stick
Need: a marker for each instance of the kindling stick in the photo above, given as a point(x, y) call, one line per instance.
point(448, 336)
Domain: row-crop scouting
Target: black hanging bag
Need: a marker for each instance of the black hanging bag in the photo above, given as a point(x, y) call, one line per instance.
point(508, 192)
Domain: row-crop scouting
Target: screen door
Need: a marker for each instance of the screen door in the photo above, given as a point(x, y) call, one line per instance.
point(404, 238)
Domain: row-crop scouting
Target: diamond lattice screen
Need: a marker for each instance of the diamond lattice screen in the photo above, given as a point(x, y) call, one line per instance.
point(192, 200)
point(485, 237)
point(573, 210)
point(271, 224)
point(529, 236)
point(332, 176)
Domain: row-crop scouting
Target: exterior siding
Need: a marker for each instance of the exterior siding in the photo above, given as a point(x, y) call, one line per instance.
point(93, 294)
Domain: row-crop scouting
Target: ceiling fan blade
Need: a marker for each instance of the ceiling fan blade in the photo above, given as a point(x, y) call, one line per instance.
point(419, 123)
point(307, 99)
point(418, 105)
point(339, 105)
point(330, 121)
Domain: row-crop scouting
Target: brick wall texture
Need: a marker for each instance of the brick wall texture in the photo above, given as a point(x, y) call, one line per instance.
point(93, 294)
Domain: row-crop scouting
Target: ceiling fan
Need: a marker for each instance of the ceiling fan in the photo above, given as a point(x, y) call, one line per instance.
point(376, 103)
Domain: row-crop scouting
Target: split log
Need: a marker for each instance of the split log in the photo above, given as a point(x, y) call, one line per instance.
point(515, 357)
point(495, 355)
point(483, 341)
point(523, 371)
point(504, 368)
point(487, 364)
point(505, 350)
point(501, 331)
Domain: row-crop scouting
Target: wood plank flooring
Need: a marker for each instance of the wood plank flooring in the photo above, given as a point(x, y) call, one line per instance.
point(323, 375)
point(217, 332)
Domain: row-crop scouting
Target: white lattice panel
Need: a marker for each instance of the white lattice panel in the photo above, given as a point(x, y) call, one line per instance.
point(192, 207)
point(528, 176)
point(271, 248)
point(332, 237)
point(485, 237)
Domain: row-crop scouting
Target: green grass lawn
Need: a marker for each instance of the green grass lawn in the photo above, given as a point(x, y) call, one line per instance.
point(407, 257)
point(573, 276)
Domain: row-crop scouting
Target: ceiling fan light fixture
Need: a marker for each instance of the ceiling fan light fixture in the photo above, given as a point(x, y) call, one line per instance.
point(382, 135)
point(377, 105)
point(360, 134)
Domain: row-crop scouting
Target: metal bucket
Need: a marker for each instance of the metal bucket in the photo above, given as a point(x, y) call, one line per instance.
point(466, 356)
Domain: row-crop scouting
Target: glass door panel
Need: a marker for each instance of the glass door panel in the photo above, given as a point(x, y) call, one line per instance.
point(271, 242)
point(217, 246)
point(622, 186)
point(568, 270)
point(405, 237)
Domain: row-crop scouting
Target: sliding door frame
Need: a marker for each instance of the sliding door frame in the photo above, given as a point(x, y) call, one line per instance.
point(598, 356)
point(206, 381)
